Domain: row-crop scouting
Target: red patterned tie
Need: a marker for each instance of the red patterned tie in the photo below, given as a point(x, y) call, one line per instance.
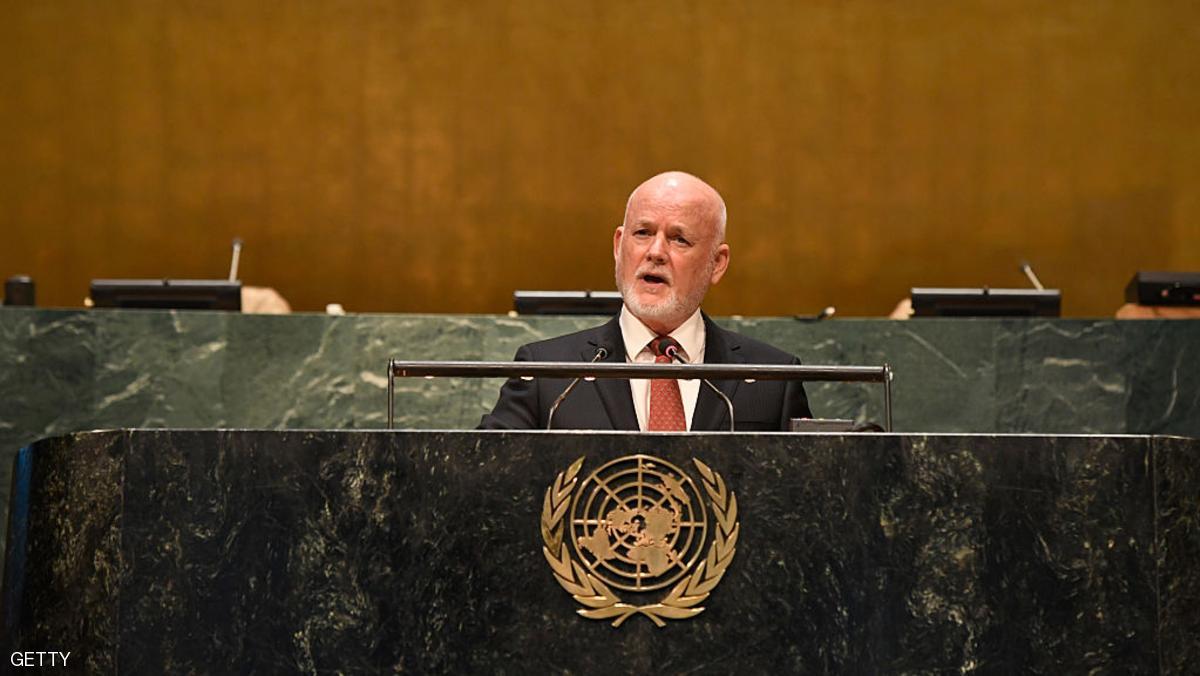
point(666, 406)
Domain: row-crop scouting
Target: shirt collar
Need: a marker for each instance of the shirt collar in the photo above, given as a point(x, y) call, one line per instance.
point(690, 335)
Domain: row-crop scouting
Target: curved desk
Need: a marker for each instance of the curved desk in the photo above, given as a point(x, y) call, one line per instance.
point(172, 551)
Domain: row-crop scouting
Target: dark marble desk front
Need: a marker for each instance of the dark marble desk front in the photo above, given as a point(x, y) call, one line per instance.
point(363, 552)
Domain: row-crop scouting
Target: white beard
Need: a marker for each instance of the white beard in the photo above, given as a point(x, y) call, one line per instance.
point(669, 310)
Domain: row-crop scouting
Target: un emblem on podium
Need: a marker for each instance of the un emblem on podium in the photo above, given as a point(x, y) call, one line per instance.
point(639, 524)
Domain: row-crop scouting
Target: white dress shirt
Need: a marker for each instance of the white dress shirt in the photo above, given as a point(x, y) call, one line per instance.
point(637, 337)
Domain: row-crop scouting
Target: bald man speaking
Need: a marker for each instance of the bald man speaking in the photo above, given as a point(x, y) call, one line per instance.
point(669, 249)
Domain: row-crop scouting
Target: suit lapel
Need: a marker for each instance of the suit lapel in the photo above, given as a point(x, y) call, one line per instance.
point(720, 347)
point(614, 392)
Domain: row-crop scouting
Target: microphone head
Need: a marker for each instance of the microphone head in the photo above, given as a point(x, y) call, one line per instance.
point(601, 352)
point(670, 347)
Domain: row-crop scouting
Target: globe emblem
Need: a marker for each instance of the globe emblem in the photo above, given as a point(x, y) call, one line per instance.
point(638, 523)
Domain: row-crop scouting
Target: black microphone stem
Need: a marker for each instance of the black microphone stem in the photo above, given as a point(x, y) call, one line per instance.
point(674, 353)
point(601, 353)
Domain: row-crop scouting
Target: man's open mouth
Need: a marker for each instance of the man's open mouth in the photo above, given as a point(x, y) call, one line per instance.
point(653, 279)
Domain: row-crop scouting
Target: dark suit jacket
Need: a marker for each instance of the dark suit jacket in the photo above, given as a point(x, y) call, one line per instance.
point(607, 404)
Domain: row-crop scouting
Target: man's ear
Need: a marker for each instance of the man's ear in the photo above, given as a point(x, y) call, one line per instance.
point(720, 264)
point(617, 241)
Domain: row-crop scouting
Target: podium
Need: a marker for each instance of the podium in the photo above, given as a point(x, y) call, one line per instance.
point(209, 551)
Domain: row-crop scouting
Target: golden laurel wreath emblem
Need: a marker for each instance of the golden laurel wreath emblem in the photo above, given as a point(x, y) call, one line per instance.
point(638, 524)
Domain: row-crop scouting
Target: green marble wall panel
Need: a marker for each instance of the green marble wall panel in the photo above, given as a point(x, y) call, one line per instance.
point(68, 370)
point(182, 388)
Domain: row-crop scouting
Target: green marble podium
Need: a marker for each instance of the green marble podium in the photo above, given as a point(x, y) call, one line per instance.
point(167, 551)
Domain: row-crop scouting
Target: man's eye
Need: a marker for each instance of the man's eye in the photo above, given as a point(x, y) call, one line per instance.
point(683, 241)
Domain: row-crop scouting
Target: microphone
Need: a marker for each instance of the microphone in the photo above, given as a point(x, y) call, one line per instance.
point(237, 254)
point(1033, 279)
point(671, 349)
point(601, 353)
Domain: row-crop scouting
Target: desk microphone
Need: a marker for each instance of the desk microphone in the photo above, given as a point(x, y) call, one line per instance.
point(1033, 279)
point(237, 254)
point(671, 349)
point(601, 353)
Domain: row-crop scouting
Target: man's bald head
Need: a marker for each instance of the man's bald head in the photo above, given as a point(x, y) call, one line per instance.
point(682, 188)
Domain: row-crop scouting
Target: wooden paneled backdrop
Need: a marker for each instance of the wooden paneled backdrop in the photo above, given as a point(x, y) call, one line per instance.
point(407, 156)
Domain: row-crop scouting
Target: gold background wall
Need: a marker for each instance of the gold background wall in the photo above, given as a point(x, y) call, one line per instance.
point(433, 156)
